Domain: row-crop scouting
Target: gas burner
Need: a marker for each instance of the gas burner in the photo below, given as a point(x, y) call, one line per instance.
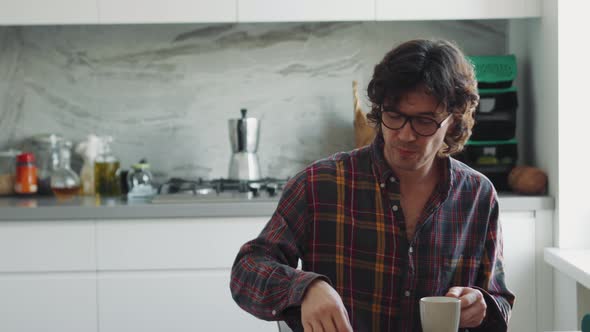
point(269, 186)
point(184, 186)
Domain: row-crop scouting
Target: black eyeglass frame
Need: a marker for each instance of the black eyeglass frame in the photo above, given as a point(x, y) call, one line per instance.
point(410, 118)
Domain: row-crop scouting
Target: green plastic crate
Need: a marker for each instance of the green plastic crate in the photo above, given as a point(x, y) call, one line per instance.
point(494, 72)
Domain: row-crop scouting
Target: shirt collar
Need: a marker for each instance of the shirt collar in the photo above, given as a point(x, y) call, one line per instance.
point(380, 167)
point(383, 172)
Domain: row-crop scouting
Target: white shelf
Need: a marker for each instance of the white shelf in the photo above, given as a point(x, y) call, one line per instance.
point(574, 263)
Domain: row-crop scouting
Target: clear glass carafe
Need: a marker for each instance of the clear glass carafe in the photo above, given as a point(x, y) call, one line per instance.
point(65, 183)
point(45, 147)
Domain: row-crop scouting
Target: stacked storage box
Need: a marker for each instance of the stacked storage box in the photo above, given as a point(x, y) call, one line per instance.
point(492, 149)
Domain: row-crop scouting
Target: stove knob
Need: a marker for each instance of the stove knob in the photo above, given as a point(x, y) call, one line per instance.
point(254, 188)
point(271, 189)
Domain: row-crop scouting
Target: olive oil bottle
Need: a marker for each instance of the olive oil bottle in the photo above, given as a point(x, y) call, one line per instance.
point(106, 171)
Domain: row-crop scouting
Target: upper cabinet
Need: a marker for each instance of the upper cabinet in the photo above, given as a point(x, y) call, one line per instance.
point(455, 9)
point(168, 11)
point(305, 10)
point(36, 12)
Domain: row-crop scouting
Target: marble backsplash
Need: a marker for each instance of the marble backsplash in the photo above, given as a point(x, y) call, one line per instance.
point(165, 92)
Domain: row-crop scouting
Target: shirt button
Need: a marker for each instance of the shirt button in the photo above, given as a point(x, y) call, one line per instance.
point(395, 208)
point(382, 185)
point(392, 179)
point(274, 312)
point(411, 250)
point(407, 293)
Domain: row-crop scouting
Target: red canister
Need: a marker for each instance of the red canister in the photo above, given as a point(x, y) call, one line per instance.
point(25, 181)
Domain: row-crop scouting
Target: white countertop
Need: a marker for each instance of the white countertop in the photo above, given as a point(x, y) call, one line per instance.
point(573, 262)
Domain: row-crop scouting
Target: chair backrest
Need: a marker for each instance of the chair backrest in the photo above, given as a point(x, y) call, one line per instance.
point(586, 323)
point(283, 327)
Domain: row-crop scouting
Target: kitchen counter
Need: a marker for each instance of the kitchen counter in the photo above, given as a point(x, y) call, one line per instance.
point(575, 263)
point(80, 208)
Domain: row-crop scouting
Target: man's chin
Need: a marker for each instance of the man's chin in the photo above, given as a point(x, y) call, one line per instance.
point(406, 164)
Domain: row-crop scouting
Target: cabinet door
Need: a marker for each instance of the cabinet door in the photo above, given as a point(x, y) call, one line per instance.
point(172, 301)
point(519, 258)
point(27, 12)
point(169, 11)
point(456, 9)
point(29, 246)
point(48, 302)
point(305, 10)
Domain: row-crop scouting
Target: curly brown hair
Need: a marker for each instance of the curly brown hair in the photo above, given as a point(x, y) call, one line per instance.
point(442, 69)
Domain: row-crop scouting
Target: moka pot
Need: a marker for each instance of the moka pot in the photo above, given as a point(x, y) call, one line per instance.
point(243, 135)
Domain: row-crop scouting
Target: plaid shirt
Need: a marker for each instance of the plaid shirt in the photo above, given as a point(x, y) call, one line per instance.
point(342, 217)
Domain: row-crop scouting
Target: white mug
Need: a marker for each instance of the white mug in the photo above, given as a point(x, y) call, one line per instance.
point(440, 313)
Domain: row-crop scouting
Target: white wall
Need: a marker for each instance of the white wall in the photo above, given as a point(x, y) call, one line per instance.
point(574, 125)
point(559, 83)
point(529, 40)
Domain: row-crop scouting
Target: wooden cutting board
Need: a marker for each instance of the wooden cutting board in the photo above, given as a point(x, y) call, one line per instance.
point(364, 133)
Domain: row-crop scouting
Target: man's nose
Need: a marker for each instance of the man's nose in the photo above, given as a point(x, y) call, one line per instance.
point(406, 133)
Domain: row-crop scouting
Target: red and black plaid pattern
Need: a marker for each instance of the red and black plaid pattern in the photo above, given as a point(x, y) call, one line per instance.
point(342, 217)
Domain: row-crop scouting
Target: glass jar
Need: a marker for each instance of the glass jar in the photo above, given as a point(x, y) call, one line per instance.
point(7, 171)
point(65, 183)
point(140, 180)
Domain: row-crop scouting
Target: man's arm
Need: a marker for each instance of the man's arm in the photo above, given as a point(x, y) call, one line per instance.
point(264, 278)
point(490, 280)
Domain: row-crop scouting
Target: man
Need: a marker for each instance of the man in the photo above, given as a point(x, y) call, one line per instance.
point(380, 227)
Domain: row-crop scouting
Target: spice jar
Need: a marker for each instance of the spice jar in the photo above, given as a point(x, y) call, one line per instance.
point(7, 170)
point(26, 174)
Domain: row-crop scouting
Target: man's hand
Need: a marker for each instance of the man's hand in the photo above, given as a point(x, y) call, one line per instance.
point(473, 305)
point(322, 309)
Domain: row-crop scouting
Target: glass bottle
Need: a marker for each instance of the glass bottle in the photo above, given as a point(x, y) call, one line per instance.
point(107, 182)
point(64, 182)
point(7, 171)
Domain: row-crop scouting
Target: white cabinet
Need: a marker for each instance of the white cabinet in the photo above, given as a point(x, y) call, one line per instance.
point(30, 12)
point(456, 9)
point(47, 276)
point(172, 301)
point(169, 11)
point(305, 10)
point(519, 251)
point(172, 274)
point(525, 235)
point(48, 302)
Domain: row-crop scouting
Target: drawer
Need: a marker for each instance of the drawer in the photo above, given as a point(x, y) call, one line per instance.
point(33, 246)
point(63, 302)
point(202, 243)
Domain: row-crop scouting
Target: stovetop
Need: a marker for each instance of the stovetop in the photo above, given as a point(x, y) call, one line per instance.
point(177, 190)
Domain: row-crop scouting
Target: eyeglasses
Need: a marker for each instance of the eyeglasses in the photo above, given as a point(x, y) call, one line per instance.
point(421, 125)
